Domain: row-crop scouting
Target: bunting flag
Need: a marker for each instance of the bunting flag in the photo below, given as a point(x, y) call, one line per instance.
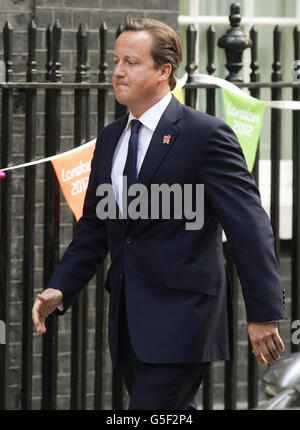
point(245, 118)
point(73, 171)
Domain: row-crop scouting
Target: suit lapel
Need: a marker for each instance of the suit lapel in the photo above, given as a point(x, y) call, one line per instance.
point(162, 140)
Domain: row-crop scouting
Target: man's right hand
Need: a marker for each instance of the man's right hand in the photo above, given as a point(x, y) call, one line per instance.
point(44, 305)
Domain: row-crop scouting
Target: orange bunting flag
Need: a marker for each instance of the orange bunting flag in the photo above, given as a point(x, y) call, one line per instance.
point(73, 172)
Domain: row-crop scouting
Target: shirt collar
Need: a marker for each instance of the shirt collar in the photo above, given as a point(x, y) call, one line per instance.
point(151, 117)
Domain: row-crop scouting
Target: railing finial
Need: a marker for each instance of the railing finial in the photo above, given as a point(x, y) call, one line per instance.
point(191, 36)
point(276, 66)
point(103, 66)
point(211, 40)
point(254, 75)
point(8, 46)
point(234, 41)
point(82, 53)
point(31, 72)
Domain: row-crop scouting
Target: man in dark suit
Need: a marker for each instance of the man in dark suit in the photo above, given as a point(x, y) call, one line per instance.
point(170, 308)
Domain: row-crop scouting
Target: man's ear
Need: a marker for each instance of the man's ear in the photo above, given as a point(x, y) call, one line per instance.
point(165, 72)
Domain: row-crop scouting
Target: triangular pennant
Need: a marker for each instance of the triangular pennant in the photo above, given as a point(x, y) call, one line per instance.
point(245, 117)
point(73, 171)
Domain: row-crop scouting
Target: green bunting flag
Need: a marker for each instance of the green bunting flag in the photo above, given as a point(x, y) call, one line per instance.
point(244, 115)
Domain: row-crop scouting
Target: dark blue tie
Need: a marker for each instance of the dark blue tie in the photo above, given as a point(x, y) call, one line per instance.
point(130, 169)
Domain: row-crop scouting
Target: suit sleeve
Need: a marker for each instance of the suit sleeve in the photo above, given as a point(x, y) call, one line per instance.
point(232, 191)
point(88, 247)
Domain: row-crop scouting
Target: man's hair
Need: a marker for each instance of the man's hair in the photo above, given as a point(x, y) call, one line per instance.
point(166, 46)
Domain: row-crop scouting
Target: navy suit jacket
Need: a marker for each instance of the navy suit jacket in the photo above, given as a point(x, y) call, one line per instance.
point(177, 292)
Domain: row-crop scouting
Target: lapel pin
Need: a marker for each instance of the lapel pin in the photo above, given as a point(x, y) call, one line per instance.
point(166, 139)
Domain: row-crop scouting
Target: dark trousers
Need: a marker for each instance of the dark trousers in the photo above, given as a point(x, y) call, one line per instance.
point(156, 386)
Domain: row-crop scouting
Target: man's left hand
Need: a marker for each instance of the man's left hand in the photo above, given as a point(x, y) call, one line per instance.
point(265, 341)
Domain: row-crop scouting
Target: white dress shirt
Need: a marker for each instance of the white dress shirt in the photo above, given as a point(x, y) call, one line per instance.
point(149, 121)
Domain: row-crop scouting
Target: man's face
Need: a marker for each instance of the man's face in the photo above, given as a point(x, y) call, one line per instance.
point(137, 83)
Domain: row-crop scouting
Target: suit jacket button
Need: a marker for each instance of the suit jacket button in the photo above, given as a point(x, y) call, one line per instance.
point(128, 240)
point(121, 276)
